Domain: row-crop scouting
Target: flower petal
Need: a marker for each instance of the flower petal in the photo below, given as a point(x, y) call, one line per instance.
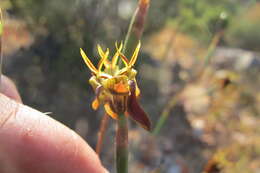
point(93, 81)
point(115, 57)
point(102, 54)
point(135, 55)
point(135, 111)
point(137, 92)
point(110, 112)
point(95, 104)
point(124, 59)
point(103, 60)
point(88, 62)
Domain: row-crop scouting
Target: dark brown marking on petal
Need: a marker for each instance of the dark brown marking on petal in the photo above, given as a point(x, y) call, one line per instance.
point(135, 111)
point(119, 104)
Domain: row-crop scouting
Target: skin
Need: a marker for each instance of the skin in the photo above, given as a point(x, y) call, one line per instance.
point(32, 142)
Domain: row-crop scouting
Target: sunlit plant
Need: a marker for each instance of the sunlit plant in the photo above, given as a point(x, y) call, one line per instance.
point(116, 87)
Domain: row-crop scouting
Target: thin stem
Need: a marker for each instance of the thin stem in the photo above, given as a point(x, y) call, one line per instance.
point(101, 133)
point(174, 100)
point(165, 114)
point(129, 35)
point(133, 36)
point(122, 145)
point(212, 47)
point(135, 29)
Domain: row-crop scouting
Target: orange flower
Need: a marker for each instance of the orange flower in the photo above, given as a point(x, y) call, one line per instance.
point(116, 87)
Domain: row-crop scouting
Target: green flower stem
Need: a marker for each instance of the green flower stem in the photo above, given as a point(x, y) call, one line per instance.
point(135, 31)
point(131, 39)
point(122, 145)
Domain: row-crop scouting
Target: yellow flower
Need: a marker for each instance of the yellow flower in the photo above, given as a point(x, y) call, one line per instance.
point(116, 87)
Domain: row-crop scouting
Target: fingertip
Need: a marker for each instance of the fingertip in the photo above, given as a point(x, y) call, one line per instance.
point(8, 88)
point(35, 142)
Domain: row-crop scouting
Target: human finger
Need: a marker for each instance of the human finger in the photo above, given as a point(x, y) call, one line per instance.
point(31, 142)
point(8, 88)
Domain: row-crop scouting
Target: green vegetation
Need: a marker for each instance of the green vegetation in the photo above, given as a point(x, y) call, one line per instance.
point(244, 30)
point(208, 105)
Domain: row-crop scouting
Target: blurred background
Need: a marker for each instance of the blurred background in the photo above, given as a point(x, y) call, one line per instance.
point(198, 72)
